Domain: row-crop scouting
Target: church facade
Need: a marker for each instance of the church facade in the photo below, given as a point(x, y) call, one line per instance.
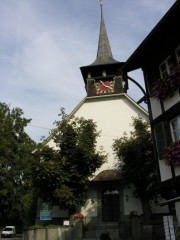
point(108, 104)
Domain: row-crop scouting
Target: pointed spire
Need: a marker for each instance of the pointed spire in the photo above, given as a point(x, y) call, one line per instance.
point(104, 54)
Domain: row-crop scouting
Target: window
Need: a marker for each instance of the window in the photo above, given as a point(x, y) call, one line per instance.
point(165, 67)
point(178, 53)
point(160, 139)
point(175, 128)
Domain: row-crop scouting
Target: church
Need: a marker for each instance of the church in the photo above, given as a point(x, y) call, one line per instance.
point(108, 104)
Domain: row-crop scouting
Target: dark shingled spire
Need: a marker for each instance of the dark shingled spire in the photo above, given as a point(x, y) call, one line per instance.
point(104, 54)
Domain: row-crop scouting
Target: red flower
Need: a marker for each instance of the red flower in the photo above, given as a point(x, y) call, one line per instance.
point(164, 88)
point(78, 216)
point(173, 153)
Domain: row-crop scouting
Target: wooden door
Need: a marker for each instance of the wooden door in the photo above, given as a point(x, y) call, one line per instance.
point(110, 206)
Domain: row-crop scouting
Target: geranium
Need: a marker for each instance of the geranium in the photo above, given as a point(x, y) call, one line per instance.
point(77, 216)
point(172, 153)
point(164, 88)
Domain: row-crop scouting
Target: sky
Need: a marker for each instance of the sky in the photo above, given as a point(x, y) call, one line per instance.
point(43, 44)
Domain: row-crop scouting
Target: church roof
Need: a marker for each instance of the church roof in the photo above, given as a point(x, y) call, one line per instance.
point(107, 175)
point(155, 40)
point(104, 58)
point(104, 54)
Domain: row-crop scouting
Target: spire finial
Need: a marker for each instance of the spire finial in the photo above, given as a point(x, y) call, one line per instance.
point(104, 54)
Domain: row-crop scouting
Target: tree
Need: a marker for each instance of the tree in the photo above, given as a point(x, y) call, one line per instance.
point(62, 175)
point(15, 159)
point(136, 163)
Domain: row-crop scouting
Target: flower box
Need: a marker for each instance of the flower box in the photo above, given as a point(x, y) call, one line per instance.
point(77, 216)
point(165, 88)
point(172, 153)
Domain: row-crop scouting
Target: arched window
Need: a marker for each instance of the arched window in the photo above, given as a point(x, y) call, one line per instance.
point(110, 205)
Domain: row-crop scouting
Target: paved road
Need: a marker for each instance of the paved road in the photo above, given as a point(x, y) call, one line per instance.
point(17, 237)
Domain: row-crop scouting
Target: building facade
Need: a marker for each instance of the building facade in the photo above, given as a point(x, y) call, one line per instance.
point(159, 58)
point(109, 203)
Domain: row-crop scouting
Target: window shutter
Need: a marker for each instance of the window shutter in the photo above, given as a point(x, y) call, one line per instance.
point(160, 137)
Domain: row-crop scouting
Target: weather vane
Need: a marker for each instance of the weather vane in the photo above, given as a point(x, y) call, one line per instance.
point(101, 2)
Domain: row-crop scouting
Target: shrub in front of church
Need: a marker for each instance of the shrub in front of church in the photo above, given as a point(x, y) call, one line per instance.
point(105, 236)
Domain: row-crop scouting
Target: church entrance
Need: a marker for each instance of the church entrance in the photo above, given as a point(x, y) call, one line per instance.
point(110, 205)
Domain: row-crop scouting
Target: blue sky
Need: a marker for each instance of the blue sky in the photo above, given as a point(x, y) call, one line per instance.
point(44, 43)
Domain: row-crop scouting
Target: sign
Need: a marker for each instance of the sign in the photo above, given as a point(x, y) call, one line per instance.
point(46, 211)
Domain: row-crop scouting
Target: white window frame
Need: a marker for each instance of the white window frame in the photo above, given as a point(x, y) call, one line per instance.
point(167, 67)
point(177, 51)
point(175, 132)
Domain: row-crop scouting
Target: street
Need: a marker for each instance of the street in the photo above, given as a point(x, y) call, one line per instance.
point(17, 237)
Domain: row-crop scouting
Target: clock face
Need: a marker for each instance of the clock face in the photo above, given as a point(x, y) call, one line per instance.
point(103, 87)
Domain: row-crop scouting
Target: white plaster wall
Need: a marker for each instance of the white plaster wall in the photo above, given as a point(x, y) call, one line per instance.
point(165, 170)
point(131, 203)
point(155, 107)
point(156, 208)
point(177, 171)
point(177, 208)
point(113, 118)
point(170, 102)
point(52, 144)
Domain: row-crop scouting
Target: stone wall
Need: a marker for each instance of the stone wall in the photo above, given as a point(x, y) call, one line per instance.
point(60, 233)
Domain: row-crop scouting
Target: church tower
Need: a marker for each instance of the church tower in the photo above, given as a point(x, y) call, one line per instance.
point(109, 106)
point(103, 76)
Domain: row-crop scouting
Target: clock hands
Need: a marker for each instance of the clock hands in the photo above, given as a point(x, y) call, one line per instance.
point(104, 87)
point(107, 86)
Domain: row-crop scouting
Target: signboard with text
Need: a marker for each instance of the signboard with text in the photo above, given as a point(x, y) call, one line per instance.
point(46, 211)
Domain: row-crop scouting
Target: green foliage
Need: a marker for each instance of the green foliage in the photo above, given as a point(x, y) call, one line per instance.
point(105, 236)
point(15, 160)
point(136, 163)
point(29, 200)
point(61, 175)
point(33, 227)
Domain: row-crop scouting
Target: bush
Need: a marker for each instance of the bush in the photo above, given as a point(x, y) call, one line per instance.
point(35, 227)
point(105, 236)
point(40, 226)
